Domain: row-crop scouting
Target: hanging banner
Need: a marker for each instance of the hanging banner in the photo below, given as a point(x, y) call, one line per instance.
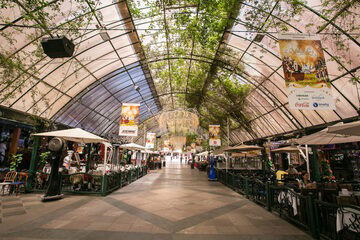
point(214, 135)
point(129, 119)
point(150, 140)
point(305, 72)
point(166, 145)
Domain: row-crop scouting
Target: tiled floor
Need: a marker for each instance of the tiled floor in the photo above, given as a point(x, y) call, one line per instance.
point(173, 203)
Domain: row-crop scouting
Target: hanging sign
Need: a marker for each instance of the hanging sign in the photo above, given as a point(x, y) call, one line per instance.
point(305, 72)
point(129, 119)
point(150, 140)
point(214, 135)
point(166, 145)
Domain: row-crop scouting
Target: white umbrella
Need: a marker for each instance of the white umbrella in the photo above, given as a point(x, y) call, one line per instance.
point(132, 146)
point(352, 129)
point(242, 148)
point(203, 153)
point(323, 137)
point(74, 135)
point(288, 149)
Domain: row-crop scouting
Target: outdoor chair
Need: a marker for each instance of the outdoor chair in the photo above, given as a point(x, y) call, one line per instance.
point(21, 181)
point(8, 180)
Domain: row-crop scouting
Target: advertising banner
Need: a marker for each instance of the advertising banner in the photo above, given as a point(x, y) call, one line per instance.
point(129, 119)
point(150, 140)
point(305, 72)
point(166, 145)
point(214, 135)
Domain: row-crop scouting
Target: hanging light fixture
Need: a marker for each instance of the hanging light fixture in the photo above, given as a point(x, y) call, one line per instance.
point(178, 122)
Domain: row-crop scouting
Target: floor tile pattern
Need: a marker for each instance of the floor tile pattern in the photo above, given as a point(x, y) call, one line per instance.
point(174, 203)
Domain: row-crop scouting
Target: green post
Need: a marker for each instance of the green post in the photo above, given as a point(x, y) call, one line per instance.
point(268, 196)
point(247, 187)
point(121, 176)
point(315, 166)
point(312, 220)
point(88, 157)
point(104, 185)
point(233, 181)
point(33, 163)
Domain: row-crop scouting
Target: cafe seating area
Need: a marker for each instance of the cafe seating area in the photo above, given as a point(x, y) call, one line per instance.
point(327, 211)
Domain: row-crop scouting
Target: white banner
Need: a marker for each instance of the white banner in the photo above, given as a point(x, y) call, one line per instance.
point(305, 72)
point(150, 140)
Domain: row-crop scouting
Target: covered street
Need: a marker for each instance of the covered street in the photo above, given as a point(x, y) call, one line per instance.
point(173, 203)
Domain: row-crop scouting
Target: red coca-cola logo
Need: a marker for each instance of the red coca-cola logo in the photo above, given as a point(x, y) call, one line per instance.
point(302, 105)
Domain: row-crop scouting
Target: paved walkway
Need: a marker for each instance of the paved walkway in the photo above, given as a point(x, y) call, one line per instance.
point(175, 203)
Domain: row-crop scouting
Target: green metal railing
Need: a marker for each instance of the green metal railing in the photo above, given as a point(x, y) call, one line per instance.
point(320, 219)
point(84, 183)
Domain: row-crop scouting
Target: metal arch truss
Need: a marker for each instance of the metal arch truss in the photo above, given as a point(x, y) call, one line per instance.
point(257, 86)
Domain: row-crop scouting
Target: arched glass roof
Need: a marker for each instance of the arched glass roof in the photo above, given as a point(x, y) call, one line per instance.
point(87, 89)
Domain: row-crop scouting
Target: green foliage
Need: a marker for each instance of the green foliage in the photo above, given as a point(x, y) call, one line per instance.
point(196, 29)
point(15, 161)
point(191, 138)
point(44, 158)
point(19, 67)
point(41, 124)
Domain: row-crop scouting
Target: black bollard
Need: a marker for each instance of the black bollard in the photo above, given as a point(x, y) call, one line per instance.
point(53, 191)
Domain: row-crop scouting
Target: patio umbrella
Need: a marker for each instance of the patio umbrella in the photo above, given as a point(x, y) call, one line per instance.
point(242, 148)
point(323, 137)
point(74, 135)
point(352, 129)
point(288, 149)
point(132, 146)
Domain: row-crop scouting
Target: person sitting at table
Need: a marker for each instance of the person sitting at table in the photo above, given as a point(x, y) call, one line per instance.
point(292, 170)
point(67, 160)
point(305, 182)
point(279, 174)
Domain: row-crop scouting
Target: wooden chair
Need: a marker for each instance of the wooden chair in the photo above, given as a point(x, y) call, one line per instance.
point(8, 180)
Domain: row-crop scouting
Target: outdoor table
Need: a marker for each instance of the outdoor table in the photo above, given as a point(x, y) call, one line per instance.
point(3, 184)
point(348, 217)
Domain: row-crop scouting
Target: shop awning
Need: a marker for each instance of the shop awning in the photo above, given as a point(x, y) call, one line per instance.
point(324, 137)
point(132, 146)
point(242, 148)
point(74, 135)
point(288, 149)
point(352, 129)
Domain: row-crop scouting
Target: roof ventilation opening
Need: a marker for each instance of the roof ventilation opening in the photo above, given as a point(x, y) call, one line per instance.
point(104, 35)
point(259, 37)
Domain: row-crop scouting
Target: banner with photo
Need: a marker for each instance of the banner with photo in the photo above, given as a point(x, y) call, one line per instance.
point(129, 119)
point(214, 135)
point(305, 72)
point(150, 140)
point(166, 146)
